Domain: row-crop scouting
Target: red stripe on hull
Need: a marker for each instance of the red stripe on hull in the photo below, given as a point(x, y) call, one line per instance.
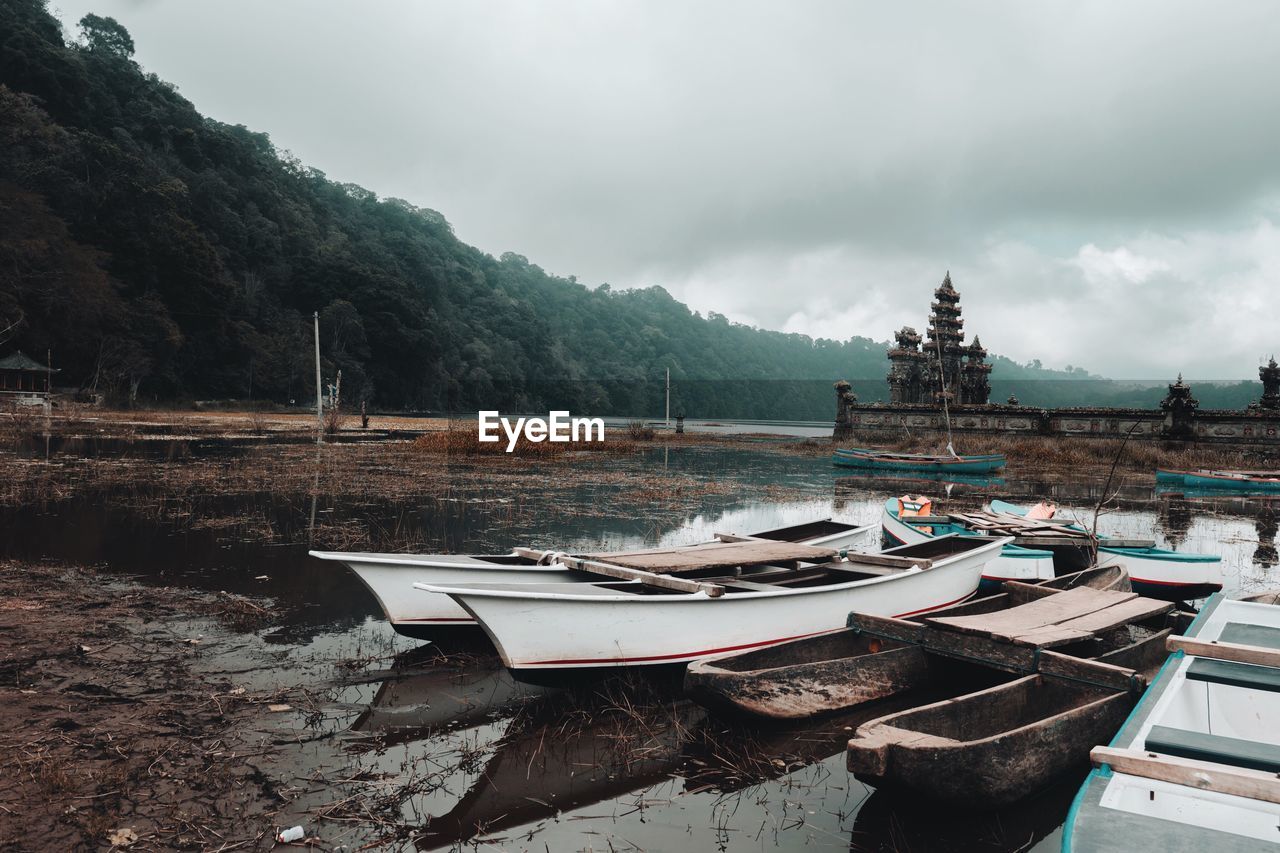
point(439, 619)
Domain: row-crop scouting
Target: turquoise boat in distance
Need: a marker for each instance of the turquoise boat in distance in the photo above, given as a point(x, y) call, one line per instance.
point(883, 460)
point(1261, 482)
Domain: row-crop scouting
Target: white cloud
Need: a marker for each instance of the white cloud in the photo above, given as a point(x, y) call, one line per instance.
point(1120, 264)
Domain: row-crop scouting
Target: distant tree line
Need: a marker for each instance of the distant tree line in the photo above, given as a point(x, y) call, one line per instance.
point(163, 255)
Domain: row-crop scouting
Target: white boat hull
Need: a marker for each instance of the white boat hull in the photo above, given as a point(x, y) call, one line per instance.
point(390, 577)
point(1002, 568)
point(412, 612)
point(1166, 578)
point(565, 627)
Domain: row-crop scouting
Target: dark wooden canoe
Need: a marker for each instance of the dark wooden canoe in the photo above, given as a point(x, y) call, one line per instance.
point(995, 746)
point(842, 670)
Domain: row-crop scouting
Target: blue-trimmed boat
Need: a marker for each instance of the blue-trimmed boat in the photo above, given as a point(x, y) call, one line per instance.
point(1195, 765)
point(883, 460)
point(1260, 482)
point(1014, 563)
point(1155, 572)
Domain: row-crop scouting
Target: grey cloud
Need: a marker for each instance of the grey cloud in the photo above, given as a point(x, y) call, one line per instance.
point(851, 152)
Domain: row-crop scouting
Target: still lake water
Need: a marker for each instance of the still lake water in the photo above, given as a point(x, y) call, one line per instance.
point(477, 759)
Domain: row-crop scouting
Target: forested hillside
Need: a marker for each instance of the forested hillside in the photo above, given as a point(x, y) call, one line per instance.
point(163, 255)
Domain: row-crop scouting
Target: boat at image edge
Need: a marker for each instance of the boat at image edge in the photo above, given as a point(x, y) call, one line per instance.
point(1195, 765)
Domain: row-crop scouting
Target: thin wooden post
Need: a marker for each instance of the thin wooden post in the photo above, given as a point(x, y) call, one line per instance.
point(319, 393)
point(668, 398)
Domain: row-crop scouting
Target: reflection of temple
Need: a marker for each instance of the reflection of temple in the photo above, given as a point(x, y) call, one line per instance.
point(1266, 554)
point(1175, 516)
point(944, 366)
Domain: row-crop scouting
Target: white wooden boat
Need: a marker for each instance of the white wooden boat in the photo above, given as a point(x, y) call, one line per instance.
point(390, 577)
point(1195, 766)
point(675, 619)
point(1013, 563)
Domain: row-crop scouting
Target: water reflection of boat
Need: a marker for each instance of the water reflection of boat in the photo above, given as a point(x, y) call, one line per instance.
point(445, 697)
point(390, 577)
point(894, 821)
point(584, 757)
point(856, 476)
point(562, 626)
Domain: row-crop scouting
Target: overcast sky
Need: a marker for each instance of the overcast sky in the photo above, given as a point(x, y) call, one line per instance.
point(1101, 178)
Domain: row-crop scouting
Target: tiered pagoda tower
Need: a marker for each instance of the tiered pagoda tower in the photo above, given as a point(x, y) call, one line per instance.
point(944, 346)
point(922, 373)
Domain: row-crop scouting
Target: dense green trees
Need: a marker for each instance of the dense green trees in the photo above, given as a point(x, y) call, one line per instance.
point(167, 255)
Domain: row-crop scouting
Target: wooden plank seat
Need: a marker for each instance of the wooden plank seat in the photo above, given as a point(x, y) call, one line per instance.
point(1216, 748)
point(1203, 775)
point(1245, 634)
point(1055, 620)
point(1234, 674)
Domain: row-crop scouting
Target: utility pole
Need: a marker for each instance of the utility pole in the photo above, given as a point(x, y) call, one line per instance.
point(319, 397)
point(668, 398)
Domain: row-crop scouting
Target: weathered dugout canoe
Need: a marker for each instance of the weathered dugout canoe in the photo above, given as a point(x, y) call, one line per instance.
point(995, 746)
point(826, 675)
point(990, 748)
point(836, 672)
point(858, 457)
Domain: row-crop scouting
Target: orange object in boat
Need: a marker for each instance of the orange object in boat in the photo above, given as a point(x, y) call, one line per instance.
point(1043, 510)
point(909, 505)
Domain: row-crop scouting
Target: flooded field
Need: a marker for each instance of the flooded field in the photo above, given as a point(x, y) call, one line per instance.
point(381, 740)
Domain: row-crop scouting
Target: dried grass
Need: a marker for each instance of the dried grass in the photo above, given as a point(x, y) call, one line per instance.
point(1070, 451)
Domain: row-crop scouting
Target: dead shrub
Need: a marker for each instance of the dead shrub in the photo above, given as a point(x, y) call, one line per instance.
point(640, 431)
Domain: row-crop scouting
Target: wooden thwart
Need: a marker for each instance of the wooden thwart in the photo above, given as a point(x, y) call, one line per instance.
point(1201, 775)
point(1225, 651)
point(625, 573)
point(1056, 620)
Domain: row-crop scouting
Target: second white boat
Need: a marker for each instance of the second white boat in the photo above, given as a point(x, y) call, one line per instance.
point(613, 624)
